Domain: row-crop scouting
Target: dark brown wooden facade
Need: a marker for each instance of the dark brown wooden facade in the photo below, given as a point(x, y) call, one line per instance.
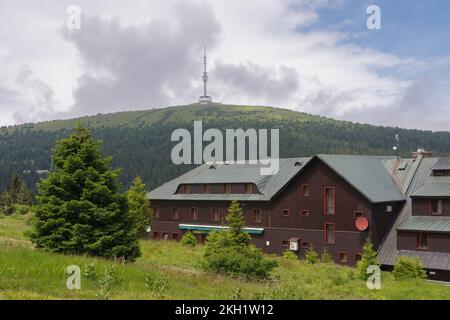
point(301, 210)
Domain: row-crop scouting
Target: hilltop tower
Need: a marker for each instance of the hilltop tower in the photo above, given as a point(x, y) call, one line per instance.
point(205, 99)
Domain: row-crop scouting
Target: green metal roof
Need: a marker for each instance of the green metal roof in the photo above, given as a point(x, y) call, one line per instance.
point(268, 185)
point(433, 190)
point(367, 174)
point(426, 223)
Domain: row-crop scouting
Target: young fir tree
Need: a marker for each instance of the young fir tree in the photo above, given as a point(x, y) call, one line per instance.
point(18, 190)
point(79, 208)
point(369, 257)
point(139, 205)
point(16, 193)
point(236, 222)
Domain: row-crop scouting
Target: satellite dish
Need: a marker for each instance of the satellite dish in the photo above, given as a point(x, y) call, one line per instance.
point(362, 223)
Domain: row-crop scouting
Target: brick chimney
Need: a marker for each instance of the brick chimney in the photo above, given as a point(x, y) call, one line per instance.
point(422, 152)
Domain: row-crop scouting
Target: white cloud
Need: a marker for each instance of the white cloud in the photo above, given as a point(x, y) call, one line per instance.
point(149, 54)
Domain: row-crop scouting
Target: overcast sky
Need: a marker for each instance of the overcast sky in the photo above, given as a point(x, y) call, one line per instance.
point(313, 56)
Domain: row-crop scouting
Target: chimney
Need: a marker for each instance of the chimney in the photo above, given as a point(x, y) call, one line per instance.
point(422, 152)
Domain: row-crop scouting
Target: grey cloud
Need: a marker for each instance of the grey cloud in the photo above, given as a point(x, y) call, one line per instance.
point(133, 67)
point(39, 102)
point(421, 106)
point(254, 81)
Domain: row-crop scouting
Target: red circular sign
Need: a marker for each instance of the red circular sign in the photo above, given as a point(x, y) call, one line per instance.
point(362, 223)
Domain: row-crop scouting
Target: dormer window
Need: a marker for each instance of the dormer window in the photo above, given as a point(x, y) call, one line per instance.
point(436, 206)
point(248, 188)
point(187, 189)
point(207, 188)
point(183, 188)
point(227, 188)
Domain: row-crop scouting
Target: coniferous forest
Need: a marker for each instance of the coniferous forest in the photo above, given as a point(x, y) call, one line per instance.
point(139, 141)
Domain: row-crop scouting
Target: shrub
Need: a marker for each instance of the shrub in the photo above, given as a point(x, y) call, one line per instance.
point(224, 257)
point(325, 256)
point(406, 268)
point(20, 209)
point(311, 256)
point(288, 254)
point(369, 257)
point(189, 239)
point(89, 271)
point(158, 283)
point(229, 251)
point(337, 280)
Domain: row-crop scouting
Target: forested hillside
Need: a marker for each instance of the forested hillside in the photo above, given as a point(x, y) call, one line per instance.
point(139, 141)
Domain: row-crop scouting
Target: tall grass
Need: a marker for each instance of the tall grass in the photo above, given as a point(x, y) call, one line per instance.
point(168, 270)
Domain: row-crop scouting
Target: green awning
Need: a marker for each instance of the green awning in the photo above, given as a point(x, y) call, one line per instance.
point(208, 228)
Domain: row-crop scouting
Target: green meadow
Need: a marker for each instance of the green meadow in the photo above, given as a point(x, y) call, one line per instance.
point(168, 270)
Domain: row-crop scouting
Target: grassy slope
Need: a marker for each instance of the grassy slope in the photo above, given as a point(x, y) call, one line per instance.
point(26, 273)
point(174, 114)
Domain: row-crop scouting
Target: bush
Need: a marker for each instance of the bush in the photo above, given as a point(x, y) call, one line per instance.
point(326, 257)
point(311, 256)
point(288, 254)
point(158, 283)
point(20, 209)
point(221, 256)
point(189, 239)
point(406, 268)
point(369, 257)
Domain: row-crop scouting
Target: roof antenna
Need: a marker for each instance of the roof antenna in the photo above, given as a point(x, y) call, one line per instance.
point(397, 145)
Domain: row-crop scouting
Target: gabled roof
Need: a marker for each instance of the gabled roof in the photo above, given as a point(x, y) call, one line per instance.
point(442, 164)
point(268, 185)
point(367, 175)
point(426, 223)
point(417, 176)
point(433, 190)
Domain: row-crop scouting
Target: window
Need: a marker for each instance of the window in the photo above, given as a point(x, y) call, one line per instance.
point(165, 236)
point(215, 214)
point(329, 233)
point(175, 213)
point(248, 188)
point(436, 206)
point(156, 212)
point(182, 188)
point(304, 213)
point(306, 244)
point(389, 208)
point(285, 212)
point(305, 190)
point(227, 188)
point(357, 214)
point(422, 241)
point(187, 188)
point(194, 213)
point(329, 200)
point(257, 215)
point(207, 188)
point(285, 243)
point(156, 235)
point(358, 256)
point(343, 257)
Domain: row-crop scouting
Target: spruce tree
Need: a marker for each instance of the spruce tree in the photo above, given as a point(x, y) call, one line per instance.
point(79, 208)
point(139, 205)
point(369, 257)
point(236, 222)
